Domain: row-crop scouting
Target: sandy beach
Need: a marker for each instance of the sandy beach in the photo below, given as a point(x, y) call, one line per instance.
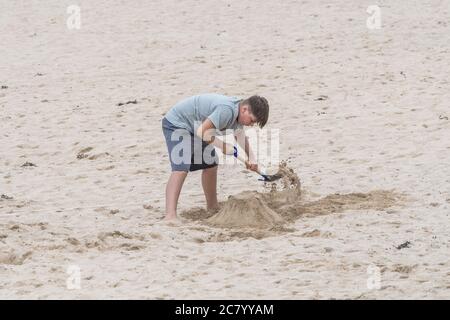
point(362, 115)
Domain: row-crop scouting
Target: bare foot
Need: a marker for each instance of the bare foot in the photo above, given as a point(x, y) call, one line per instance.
point(170, 218)
point(213, 210)
point(171, 221)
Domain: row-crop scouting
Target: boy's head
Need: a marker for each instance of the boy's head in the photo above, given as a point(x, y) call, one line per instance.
point(253, 110)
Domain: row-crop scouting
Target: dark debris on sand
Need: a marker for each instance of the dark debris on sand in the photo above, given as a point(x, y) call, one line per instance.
point(321, 98)
point(29, 164)
point(404, 245)
point(128, 102)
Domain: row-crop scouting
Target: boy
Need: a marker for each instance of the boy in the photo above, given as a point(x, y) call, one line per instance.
point(197, 121)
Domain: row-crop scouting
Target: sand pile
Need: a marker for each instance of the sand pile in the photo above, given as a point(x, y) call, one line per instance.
point(247, 209)
point(252, 209)
point(262, 214)
point(284, 191)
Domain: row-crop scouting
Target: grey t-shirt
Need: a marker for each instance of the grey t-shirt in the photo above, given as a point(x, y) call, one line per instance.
point(191, 112)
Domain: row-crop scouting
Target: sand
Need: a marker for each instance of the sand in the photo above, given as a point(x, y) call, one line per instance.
point(245, 210)
point(363, 118)
point(253, 209)
point(253, 214)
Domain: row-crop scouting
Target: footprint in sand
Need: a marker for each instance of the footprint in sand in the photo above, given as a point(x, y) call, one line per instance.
point(83, 153)
point(14, 258)
point(106, 168)
point(170, 223)
point(98, 155)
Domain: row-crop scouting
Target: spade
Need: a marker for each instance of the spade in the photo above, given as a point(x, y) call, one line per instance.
point(265, 177)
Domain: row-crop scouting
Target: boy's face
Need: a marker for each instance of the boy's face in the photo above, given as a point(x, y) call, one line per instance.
point(246, 118)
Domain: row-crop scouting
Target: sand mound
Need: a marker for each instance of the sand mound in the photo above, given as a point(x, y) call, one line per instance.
point(247, 209)
point(258, 210)
point(264, 214)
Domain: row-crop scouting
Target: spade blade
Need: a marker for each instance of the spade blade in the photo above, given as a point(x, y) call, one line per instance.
point(270, 177)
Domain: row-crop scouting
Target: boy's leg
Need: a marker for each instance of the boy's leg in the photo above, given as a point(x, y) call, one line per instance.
point(173, 190)
point(209, 183)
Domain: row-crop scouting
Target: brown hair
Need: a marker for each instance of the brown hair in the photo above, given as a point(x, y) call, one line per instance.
point(259, 107)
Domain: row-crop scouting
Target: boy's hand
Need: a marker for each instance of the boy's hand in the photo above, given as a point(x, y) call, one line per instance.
point(251, 166)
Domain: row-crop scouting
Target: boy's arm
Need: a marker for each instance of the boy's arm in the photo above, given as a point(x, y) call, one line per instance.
point(206, 132)
point(243, 142)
